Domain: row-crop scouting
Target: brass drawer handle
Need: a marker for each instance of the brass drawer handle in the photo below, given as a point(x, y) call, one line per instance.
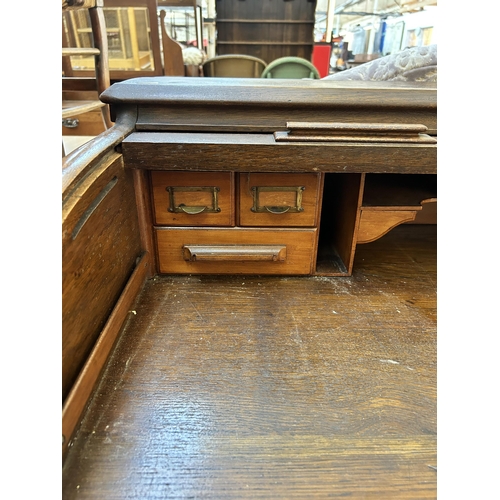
point(238, 253)
point(277, 210)
point(193, 210)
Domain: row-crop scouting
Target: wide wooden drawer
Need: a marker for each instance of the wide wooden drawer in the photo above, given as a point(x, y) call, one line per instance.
point(193, 198)
point(235, 251)
point(279, 200)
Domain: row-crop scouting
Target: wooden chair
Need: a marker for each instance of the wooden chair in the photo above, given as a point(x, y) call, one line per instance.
point(173, 64)
point(234, 66)
point(81, 94)
point(291, 67)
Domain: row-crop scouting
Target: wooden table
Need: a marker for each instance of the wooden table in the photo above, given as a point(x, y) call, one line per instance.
point(261, 215)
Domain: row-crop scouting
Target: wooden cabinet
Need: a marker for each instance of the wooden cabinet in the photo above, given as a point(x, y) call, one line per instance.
point(274, 205)
point(132, 35)
point(351, 209)
point(267, 30)
point(254, 177)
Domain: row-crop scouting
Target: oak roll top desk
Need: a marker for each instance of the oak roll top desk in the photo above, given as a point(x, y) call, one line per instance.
point(232, 176)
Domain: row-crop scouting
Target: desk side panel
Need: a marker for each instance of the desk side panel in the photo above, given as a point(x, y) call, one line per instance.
point(100, 245)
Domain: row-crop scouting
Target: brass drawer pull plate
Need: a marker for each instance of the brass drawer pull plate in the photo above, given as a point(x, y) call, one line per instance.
point(239, 253)
point(257, 208)
point(193, 210)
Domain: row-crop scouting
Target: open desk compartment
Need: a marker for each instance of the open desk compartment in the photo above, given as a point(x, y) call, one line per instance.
point(360, 208)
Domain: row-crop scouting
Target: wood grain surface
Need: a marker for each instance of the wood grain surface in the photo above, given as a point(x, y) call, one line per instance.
point(272, 387)
point(100, 245)
point(268, 104)
point(260, 153)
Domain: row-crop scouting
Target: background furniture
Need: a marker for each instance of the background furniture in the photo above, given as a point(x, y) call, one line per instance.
point(80, 99)
point(290, 67)
point(234, 66)
point(135, 50)
point(132, 36)
point(267, 30)
point(197, 7)
point(173, 64)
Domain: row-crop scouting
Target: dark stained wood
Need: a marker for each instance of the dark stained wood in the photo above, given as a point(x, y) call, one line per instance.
point(260, 104)
point(99, 34)
point(81, 85)
point(260, 153)
point(398, 190)
point(267, 30)
point(288, 93)
point(272, 387)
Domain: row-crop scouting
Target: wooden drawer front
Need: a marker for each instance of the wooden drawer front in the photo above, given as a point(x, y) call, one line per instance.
point(193, 198)
point(235, 251)
point(279, 199)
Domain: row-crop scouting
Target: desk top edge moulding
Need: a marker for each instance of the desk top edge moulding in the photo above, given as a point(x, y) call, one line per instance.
point(177, 103)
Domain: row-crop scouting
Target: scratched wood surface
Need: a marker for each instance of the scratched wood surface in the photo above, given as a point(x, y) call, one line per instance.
point(272, 387)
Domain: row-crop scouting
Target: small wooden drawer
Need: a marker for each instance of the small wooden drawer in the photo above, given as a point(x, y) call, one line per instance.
point(235, 251)
point(193, 198)
point(286, 200)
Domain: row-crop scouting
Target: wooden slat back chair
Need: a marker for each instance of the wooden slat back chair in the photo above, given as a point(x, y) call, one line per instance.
point(81, 94)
